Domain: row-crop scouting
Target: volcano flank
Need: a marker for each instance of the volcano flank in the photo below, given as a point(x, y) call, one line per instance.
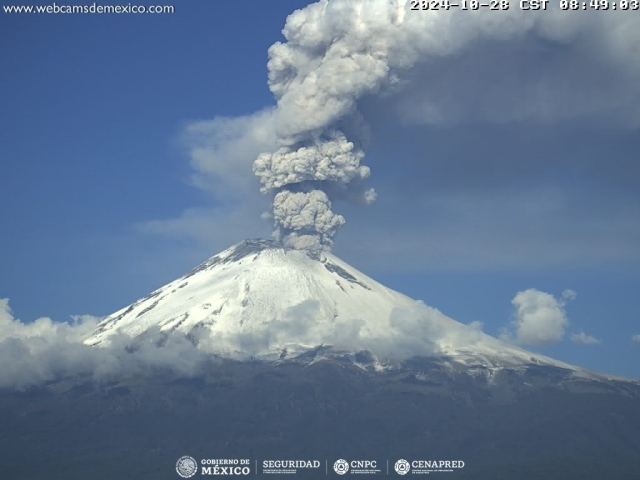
point(263, 301)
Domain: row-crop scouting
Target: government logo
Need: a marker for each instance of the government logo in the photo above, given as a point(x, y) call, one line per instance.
point(186, 466)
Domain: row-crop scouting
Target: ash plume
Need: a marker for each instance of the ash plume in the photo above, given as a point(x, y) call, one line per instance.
point(338, 53)
point(302, 175)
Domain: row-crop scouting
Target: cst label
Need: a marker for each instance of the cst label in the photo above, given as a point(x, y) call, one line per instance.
point(534, 4)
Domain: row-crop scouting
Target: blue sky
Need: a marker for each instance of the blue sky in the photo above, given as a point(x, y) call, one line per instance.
point(524, 177)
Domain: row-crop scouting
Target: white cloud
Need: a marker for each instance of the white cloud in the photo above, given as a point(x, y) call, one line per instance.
point(636, 338)
point(44, 350)
point(222, 151)
point(32, 354)
point(584, 339)
point(417, 330)
point(40, 351)
point(539, 319)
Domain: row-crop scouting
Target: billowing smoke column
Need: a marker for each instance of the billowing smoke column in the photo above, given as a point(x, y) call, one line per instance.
point(338, 51)
point(317, 81)
point(302, 175)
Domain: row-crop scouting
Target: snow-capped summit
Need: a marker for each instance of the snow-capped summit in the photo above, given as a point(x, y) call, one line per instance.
point(260, 300)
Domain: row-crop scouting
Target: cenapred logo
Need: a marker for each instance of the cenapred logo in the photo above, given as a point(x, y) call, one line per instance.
point(341, 466)
point(186, 466)
point(402, 467)
point(418, 467)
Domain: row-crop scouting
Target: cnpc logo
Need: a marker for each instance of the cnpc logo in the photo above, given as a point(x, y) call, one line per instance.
point(359, 464)
point(342, 466)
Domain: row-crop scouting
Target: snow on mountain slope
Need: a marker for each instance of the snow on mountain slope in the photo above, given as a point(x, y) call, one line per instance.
point(260, 300)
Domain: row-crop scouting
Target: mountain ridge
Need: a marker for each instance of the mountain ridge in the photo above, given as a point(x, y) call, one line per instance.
point(260, 300)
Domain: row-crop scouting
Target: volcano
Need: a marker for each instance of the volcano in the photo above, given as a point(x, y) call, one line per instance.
point(259, 300)
point(308, 360)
